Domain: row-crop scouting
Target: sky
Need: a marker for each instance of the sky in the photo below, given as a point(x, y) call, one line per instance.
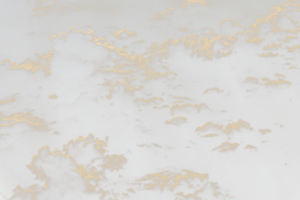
point(172, 99)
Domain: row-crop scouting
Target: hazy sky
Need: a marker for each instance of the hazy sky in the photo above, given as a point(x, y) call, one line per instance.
point(112, 100)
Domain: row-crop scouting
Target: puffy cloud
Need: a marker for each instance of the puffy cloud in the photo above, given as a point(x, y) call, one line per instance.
point(230, 26)
point(124, 34)
point(226, 147)
point(213, 90)
point(177, 121)
point(251, 148)
point(277, 84)
point(187, 108)
point(230, 129)
point(264, 131)
point(198, 184)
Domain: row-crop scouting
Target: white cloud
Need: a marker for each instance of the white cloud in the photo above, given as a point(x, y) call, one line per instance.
point(177, 121)
point(226, 147)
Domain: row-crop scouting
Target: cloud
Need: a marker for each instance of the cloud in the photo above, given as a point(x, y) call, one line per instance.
point(213, 90)
point(124, 34)
point(226, 147)
point(187, 108)
point(177, 121)
point(251, 148)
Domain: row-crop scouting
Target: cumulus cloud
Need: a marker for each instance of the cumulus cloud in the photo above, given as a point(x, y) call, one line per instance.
point(177, 121)
point(198, 184)
point(124, 34)
point(251, 148)
point(213, 90)
point(187, 108)
point(226, 147)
